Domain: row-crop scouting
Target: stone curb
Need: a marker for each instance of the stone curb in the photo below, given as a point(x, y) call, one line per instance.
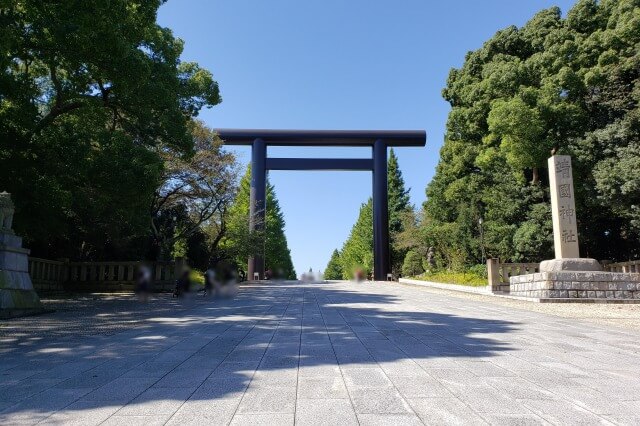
point(452, 287)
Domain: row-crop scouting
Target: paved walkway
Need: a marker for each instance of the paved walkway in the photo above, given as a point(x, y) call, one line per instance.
point(322, 354)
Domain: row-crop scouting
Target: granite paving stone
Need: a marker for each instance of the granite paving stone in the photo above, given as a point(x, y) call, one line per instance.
point(315, 353)
point(319, 412)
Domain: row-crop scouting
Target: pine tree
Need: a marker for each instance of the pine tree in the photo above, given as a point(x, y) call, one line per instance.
point(398, 207)
point(398, 196)
point(240, 243)
point(357, 252)
point(333, 270)
point(277, 254)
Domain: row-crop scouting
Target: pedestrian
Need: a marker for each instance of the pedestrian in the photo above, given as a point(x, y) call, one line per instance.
point(143, 282)
point(183, 284)
point(209, 282)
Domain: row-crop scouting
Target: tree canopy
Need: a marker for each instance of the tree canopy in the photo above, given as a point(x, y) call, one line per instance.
point(357, 251)
point(333, 270)
point(87, 105)
point(239, 243)
point(556, 85)
point(399, 206)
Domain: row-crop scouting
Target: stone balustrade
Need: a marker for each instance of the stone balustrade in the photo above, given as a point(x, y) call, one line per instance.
point(58, 275)
point(498, 274)
point(47, 275)
point(630, 267)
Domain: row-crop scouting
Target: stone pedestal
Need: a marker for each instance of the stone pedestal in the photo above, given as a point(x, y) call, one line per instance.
point(578, 264)
point(17, 296)
point(584, 286)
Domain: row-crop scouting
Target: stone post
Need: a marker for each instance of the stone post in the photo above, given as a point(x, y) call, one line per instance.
point(565, 227)
point(563, 207)
point(493, 275)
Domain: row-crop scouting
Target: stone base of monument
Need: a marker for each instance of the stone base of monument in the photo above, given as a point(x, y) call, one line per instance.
point(17, 296)
point(575, 265)
point(586, 286)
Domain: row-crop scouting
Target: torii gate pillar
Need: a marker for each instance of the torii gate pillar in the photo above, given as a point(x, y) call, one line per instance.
point(258, 203)
point(380, 212)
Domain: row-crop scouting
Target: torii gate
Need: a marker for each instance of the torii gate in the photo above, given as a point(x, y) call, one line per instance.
point(378, 140)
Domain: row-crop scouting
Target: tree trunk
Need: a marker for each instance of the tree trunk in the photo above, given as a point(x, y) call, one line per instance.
point(536, 176)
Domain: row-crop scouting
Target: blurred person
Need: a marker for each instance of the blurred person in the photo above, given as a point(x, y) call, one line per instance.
point(183, 284)
point(209, 283)
point(143, 282)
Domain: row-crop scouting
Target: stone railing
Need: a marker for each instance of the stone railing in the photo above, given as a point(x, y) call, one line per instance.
point(52, 275)
point(498, 274)
point(632, 266)
point(47, 275)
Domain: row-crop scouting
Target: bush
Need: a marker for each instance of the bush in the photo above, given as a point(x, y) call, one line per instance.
point(467, 278)
point(412, 265)
point(479, 270)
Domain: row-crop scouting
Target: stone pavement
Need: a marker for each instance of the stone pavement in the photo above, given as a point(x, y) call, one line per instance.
point(337, 353)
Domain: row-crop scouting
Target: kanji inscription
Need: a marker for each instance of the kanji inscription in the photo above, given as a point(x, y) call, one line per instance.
point(563, 208)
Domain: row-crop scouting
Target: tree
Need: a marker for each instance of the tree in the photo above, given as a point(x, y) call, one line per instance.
point(412, 265)
point(239, 243)
point(398, 198)
point(202, 183)
point(357, 251)
point(333, 271)
point(86, 104)
point(552, 86)
point(276, 253)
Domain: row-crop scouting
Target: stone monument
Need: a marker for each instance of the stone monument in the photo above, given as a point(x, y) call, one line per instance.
point(565, 227)
point(569, 276)
point(17, 296)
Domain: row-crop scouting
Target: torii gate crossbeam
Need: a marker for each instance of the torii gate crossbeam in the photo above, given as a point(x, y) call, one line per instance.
point(378, 140)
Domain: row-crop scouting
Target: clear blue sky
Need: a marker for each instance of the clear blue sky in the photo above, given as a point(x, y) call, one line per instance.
point(336, 64)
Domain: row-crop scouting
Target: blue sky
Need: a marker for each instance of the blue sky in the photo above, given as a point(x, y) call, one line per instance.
point(336, 64)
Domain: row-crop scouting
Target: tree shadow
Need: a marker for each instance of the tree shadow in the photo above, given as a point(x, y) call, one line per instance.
point(209, 350)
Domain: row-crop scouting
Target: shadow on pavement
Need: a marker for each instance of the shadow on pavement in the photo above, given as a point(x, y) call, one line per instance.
point(118, 352)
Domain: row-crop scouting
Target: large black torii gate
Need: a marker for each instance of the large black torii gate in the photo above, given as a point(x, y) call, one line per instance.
point(378, 140)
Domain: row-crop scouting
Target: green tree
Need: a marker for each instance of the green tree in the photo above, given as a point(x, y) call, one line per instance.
point(357, 251)
point(554, 85)
point(412, 264)
point(202, 183)
point(238, 243)
point(398, 198)
point(333, 270)
point(85, 105)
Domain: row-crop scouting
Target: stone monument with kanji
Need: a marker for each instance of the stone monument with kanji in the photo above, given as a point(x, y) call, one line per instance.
point(569, 277)
point(564, 217)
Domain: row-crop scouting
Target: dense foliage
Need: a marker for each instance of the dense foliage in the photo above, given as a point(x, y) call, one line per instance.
point(566, 85)
point(93, 98)
point(412, 265)
point(334, 269)
point(238, 243)
point(398, 207)
point(357, 251)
